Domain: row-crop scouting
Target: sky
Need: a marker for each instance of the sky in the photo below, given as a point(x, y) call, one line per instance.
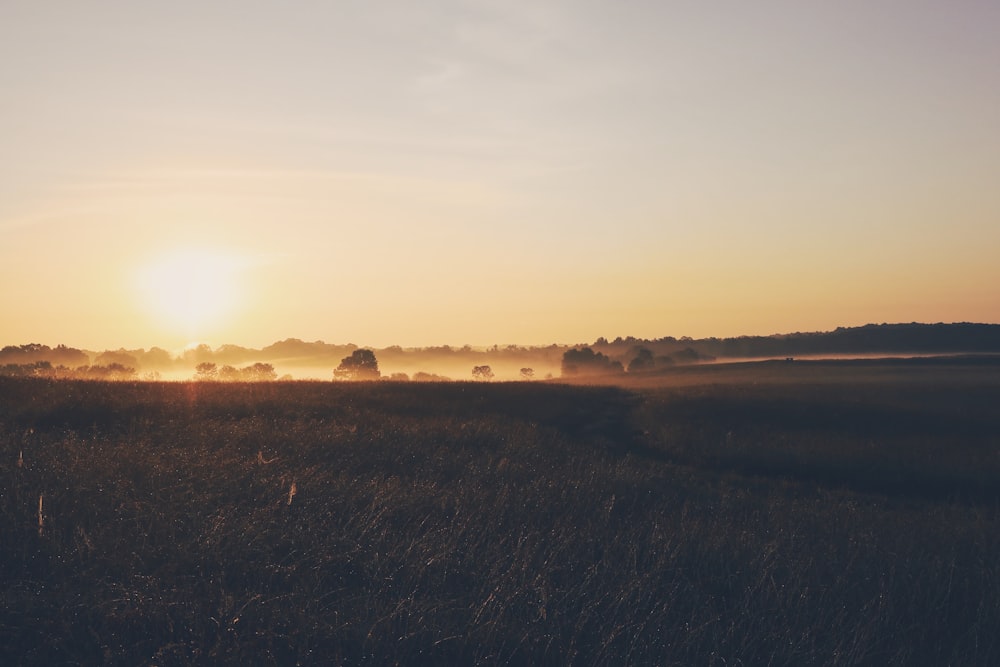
point(485, 171)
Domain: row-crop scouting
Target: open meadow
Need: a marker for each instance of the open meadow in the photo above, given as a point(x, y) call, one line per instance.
point(771, 513)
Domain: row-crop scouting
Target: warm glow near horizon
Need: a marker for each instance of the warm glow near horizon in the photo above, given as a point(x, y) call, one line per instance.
point(493, 172)
point(190, 291)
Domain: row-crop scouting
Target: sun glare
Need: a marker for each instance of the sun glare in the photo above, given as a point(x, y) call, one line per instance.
point(191, 291)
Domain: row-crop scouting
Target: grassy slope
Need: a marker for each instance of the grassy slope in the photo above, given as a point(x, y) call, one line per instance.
point(816, 517)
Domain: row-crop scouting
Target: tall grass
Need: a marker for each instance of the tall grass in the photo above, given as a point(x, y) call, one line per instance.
point(314, 523)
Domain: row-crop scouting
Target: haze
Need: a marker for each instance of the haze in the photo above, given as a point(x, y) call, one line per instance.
point(489, 172)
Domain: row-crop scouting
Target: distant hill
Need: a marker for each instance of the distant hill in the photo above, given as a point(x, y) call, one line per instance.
point(911, 338)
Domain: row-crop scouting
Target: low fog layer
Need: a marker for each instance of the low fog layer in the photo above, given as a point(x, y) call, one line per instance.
point(297, 359)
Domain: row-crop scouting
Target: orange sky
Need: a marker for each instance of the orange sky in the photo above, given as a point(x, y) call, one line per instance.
point(493, 172)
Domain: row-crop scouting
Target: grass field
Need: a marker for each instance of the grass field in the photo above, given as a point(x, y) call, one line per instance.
point(812, 513)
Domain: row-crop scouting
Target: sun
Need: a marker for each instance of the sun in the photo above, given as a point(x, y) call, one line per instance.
point(191, 291)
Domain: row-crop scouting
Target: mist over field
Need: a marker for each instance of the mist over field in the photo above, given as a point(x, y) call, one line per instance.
point(296, 359)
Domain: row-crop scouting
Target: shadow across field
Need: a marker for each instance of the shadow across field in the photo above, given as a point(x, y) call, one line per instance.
point(917, 438)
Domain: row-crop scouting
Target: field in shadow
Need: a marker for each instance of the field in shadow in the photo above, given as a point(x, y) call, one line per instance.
point(801, 521)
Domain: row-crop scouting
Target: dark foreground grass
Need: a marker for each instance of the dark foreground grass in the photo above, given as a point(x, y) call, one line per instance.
point(313, 523)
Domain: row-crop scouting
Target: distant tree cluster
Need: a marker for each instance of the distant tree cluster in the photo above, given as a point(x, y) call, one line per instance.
point(35, 369)
point(34, 352)
point(584, 361)
point(643, 360)
point(120, 357)
point(482, 373)
point(208, 371)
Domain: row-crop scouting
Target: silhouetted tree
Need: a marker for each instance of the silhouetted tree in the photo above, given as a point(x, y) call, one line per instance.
point(259, 372)
point(483, 373)
point(527, 373)
point(361, 365)
point(206, 370)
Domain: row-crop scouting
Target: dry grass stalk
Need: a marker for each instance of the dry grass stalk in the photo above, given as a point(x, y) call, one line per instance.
point(291, 492)
point(41, 517)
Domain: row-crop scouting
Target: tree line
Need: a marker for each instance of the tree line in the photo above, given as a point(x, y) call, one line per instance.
point(603, 356)
point(45, 369)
